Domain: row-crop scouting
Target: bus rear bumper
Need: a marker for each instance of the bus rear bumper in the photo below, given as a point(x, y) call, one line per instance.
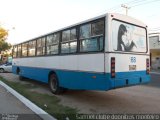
point(131, 81)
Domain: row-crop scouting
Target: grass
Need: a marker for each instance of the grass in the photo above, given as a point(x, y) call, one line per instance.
point(48, 103)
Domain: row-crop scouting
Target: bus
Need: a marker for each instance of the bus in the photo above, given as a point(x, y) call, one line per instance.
point(103, 53)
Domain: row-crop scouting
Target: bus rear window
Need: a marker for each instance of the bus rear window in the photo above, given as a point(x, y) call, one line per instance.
point(128, 37)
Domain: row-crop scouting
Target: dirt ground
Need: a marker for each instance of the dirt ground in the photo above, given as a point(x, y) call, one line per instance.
point(142, 99)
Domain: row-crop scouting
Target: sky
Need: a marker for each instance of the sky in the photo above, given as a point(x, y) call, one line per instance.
point(27, 19)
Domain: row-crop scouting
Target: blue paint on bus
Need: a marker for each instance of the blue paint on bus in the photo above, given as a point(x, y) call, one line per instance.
point(85, 80)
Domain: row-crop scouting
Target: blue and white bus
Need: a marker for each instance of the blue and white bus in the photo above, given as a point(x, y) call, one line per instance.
point(102, 53)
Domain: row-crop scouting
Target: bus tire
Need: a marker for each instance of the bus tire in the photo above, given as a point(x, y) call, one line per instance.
point(18, 71)
point(21, 78)
point(1, 70)
point(54, 84)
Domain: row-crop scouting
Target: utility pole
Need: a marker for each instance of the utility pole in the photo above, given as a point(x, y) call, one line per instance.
point(126, 7)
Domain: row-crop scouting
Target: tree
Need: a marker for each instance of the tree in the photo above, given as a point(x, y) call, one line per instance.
point(3, 36)
point(4, 45)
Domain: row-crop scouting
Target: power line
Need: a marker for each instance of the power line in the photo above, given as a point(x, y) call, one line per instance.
point(134, 1)
point(138, 3)
point(127, 3)
point(143, 3)
point(119, 5)
point(154, 29)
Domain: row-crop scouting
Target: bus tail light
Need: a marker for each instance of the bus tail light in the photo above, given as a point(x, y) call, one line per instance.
point(147, 66)
point(113, 67)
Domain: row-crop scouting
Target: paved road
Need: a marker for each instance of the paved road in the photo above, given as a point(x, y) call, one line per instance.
point(12, 106)
point(155, 80)
point(138, 99)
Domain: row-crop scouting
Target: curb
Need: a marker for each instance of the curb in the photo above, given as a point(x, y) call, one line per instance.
point(41, 113)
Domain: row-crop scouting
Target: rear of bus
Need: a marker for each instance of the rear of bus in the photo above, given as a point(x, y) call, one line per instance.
point(127, 51)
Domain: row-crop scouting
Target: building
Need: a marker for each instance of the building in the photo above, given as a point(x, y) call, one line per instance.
point(154, 43)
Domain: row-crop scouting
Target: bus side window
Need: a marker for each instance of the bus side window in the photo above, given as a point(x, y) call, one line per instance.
point(91, 36)
point(52, 43)
point(19, 51)
point(24, 49)
point(14, 51)
point(40, 46)
point(32, 48)
point(69, 41)
point(98, 28)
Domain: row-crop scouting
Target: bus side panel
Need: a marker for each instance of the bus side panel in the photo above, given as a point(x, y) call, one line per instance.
point(68, 79)
point(82, 62)
point(83, 80)
point(75, 71)
point(34, 73)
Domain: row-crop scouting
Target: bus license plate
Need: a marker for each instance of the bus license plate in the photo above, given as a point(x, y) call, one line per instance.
point(132, 67)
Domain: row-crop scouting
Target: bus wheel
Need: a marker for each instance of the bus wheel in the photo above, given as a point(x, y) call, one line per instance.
point(54, 85)
point(1, 70)
point(21, 78)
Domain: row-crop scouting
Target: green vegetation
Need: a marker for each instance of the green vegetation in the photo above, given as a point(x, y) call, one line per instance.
point(3, 36)
point(48, 103)
point(4, 45)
